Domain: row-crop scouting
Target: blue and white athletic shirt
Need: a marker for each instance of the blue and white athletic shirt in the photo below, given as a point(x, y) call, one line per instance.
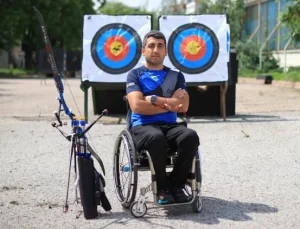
point(151, 82)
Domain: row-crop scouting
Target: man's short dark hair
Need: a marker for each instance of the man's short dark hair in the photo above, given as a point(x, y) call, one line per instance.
point(156, 34)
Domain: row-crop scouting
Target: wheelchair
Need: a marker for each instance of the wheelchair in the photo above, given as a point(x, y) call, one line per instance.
point(128, 161)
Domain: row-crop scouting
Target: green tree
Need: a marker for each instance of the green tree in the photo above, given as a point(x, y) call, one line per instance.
point(233, 8)
point(63, 19)
point(116, 8)
point(291, 18)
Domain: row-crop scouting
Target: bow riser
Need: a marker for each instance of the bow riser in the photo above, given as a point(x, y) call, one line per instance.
point(65, 107)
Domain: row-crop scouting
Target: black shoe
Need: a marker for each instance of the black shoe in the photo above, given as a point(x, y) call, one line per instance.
point(164, 196)
point(179, 195)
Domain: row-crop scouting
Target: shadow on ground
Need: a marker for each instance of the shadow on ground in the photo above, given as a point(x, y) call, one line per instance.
point(213, 211)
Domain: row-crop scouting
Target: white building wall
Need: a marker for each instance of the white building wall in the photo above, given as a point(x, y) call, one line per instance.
point(291, 59)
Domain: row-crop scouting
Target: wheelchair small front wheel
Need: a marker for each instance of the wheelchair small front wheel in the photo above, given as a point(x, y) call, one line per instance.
point(197, 204)
point(137, 210)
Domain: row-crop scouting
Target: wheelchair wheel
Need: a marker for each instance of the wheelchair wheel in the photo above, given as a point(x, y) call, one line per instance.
point(197, 204)
point(136, 211)
point(125, 169)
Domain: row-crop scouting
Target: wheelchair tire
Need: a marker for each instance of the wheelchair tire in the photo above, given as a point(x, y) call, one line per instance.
point(135, 212)
point(197, 204)
point(198, 169)
point(125, 192)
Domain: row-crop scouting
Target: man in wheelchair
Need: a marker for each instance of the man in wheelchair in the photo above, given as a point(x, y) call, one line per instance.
point(156, 94)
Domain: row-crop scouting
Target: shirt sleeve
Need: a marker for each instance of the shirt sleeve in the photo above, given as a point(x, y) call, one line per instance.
point(132, 82)
point(180, 82)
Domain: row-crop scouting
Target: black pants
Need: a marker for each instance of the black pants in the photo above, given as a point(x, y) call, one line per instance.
point(156, 139)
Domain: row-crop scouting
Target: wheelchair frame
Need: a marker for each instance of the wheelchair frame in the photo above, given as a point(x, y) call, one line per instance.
point(137, 161)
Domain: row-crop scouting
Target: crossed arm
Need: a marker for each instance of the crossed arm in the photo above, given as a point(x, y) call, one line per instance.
point(179, 102)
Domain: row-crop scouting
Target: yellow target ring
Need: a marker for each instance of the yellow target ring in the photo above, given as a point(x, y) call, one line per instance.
point(193, 47)
point(116, 48)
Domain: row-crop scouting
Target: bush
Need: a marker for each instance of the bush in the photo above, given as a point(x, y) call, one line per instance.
point(248, 56)
point(269, 63)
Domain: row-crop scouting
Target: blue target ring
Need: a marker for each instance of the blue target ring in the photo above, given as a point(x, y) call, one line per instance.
point(110, 62)
point(182, 55)
point(193, 64)
point(116, 48)
point(227, 41)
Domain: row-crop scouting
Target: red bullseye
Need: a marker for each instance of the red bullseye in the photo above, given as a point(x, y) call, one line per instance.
point(116, 48)
point(193, 48)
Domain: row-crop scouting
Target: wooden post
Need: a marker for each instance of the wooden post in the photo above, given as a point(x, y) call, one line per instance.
point(86, 89)
point(223, 90)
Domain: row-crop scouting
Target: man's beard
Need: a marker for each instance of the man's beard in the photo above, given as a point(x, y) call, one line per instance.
point(154, 62)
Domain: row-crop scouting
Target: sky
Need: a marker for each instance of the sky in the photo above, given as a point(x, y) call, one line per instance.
point(151, 4)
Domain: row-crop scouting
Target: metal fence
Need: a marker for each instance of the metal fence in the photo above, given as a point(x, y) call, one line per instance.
point(262, 24)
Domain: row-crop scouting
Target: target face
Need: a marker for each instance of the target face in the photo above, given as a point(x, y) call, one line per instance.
point(116, 48)
point(193, 48)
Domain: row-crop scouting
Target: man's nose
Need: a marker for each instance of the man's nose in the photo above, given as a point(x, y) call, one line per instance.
point(155, 49)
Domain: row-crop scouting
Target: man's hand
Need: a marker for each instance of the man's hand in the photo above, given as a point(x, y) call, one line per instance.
point(179, 93)
point(148, 98)
point(173, 109)
point(139, 105)
point(166, 104)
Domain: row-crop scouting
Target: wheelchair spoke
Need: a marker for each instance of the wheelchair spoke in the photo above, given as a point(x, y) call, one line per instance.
point(125, 181)
point(123, 154)
point(125, 174)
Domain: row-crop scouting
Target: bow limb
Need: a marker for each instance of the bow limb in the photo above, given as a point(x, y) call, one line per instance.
point(56, 75)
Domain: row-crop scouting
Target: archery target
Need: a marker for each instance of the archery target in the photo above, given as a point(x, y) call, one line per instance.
point(116, 48)
point(198, 45)
point(112, 46)
point(193, 48)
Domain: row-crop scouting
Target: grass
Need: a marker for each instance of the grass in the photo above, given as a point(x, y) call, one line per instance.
point(15, 71)
point(292, 75)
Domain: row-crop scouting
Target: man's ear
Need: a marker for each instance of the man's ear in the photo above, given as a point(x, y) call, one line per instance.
point(143, 51)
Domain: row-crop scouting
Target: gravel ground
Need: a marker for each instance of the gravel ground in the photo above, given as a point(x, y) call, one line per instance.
point(250, 162)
